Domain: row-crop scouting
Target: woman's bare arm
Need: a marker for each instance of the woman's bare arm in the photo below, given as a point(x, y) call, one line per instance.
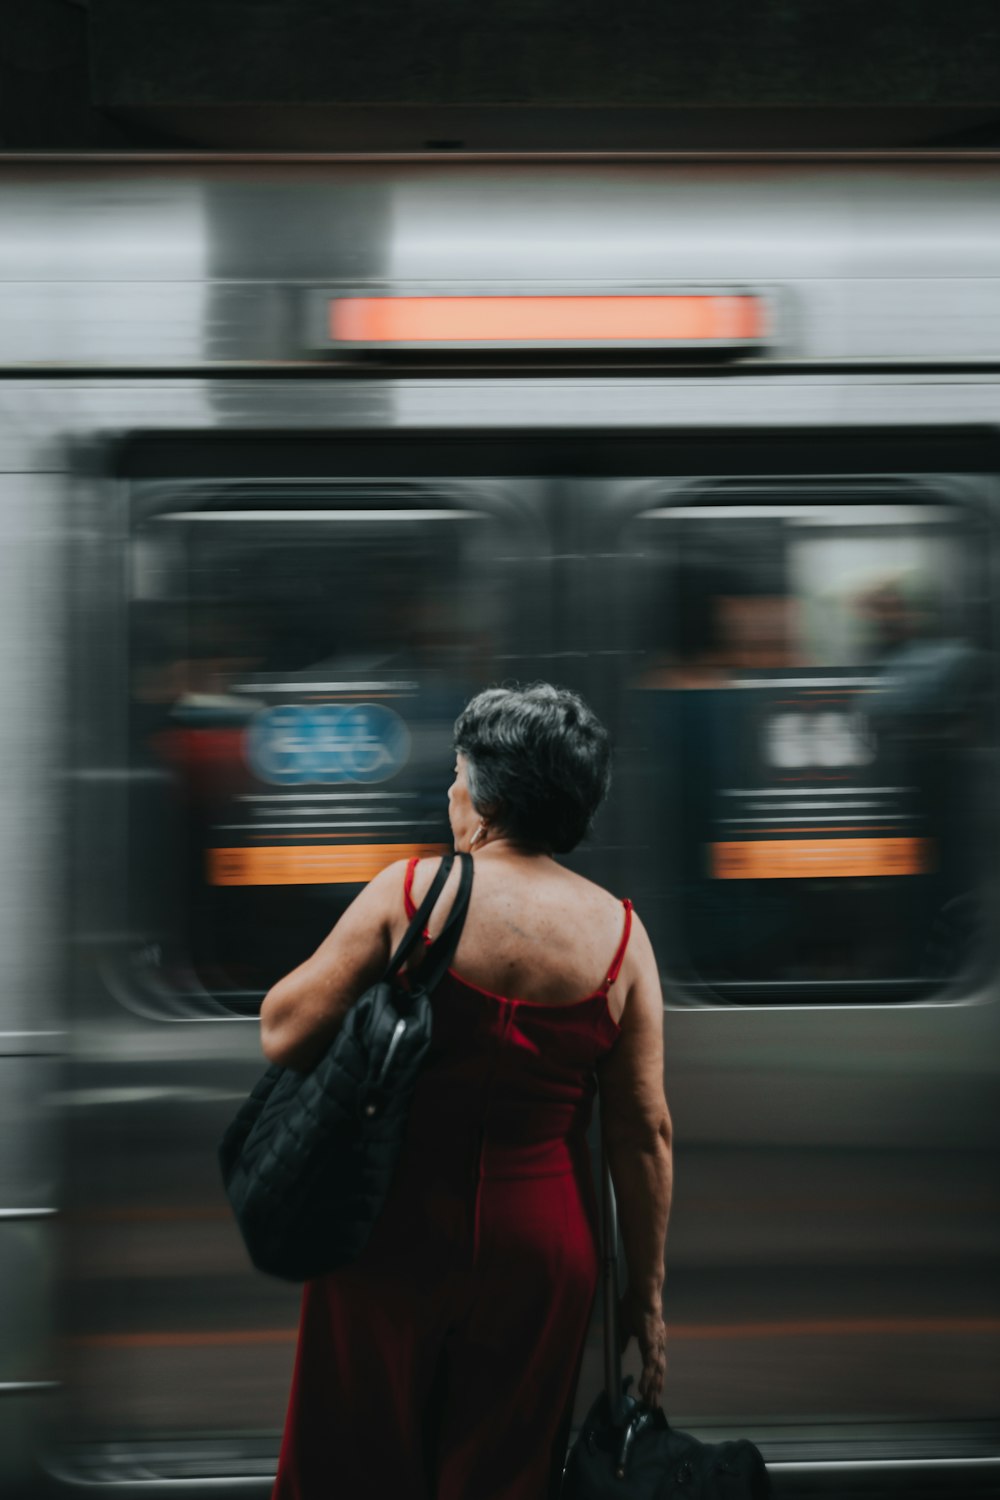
point(303, 1012)
point(638, 1140)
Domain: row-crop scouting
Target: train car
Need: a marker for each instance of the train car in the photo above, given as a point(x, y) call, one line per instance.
point(295, 455)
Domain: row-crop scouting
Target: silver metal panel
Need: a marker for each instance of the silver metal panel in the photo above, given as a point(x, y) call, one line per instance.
point(803, 1206)
point(61, 427)
point(747, 222)
point(32, 1043)
point(28, 1175)
point(32, 687)
point(169, 266)
point(72, 323)
point(53, 427)
point(89, 226)
point(933, 318)
point(27, 1287)
point(750, 402)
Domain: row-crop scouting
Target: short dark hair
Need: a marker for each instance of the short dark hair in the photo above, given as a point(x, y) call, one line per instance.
point(538, 763)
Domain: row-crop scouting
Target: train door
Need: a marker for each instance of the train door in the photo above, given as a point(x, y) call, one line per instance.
point(271, 674)
point(816, 677)
point(807, 768)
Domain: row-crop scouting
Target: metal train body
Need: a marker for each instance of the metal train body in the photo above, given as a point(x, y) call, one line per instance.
point(248, 576)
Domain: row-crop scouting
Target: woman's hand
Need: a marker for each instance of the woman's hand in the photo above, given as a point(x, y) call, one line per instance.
point(646, 1326)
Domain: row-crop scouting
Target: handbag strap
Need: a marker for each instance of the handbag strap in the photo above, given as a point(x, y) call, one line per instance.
point(414, 932)
point(442, 950)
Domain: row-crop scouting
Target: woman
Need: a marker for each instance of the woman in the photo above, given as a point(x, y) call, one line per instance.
point(442, 1364)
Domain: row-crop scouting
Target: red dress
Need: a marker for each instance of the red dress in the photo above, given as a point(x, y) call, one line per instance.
point(443, 1363)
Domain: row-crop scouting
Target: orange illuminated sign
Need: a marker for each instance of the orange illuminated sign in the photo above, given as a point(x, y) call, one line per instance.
point(689, 318)
point(804, 859)
point(310, 864)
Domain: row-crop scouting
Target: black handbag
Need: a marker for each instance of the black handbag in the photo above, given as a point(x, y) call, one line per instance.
point(628, 1450)
point(309, 1158)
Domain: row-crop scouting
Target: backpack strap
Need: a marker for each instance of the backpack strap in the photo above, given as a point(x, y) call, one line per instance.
point(413, 934)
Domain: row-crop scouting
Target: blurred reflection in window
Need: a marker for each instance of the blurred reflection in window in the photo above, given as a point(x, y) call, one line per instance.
point(295, 680)
point(811, 689)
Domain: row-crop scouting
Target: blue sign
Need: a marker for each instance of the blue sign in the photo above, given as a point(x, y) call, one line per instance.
point(297, 744)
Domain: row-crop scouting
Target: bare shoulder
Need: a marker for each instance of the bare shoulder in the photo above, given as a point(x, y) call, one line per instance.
point(389, 881)
point(631, 1074)
point(588, 892)
point(601, 922)
point(609, 912)
point(383, 898)
point(640, 976)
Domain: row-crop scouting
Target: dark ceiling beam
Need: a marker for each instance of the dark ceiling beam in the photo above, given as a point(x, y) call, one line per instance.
point(456, 129)
point(499, 74)
point(637, 54)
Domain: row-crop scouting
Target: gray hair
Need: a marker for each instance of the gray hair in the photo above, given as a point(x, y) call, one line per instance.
point(538, 762)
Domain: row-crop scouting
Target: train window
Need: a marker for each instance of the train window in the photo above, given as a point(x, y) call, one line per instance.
point(810, 702)
point(295, 675)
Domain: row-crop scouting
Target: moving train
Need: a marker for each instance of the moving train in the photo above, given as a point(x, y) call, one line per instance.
point(296, 453)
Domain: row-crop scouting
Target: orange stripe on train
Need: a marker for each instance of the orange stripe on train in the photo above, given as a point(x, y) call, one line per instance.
point(310, 864)
point(802, 859)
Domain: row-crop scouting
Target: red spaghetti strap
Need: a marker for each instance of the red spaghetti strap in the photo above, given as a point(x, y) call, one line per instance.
point(411, 910)
point(619, 957)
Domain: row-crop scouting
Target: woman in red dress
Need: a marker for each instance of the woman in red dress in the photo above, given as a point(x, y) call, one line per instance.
point(442, 1364)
